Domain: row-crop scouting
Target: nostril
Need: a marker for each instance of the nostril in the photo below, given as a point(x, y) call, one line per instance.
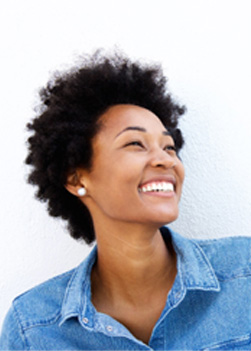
point(167, 162)
point(162, 158)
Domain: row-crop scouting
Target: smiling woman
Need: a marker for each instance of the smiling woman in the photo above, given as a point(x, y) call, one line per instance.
point(132, 150)
point(104, 153)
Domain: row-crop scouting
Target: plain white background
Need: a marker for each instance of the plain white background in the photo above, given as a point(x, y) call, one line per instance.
point(204, 47)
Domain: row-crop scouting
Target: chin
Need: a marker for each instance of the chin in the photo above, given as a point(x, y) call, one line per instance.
point(169, 217)
point(161, 220)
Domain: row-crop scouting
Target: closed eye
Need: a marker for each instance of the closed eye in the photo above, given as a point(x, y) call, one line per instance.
point(170, 148)
point(135, 143)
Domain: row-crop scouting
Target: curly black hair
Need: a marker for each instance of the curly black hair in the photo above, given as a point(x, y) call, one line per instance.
point(67, 120)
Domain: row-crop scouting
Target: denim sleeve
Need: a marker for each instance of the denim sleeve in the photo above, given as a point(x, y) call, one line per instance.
point(12, 337)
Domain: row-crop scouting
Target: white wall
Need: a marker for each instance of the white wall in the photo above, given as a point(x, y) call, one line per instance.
point(204, 46)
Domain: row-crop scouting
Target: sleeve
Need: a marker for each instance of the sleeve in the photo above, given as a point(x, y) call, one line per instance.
point(12, 337)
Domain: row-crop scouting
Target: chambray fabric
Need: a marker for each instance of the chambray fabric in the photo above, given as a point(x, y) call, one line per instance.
point(208, 308)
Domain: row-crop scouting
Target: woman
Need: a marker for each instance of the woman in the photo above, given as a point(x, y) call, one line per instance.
point(104, 155)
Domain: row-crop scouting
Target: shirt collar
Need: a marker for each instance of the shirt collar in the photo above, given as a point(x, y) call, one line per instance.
point(78, 292)
point(194, 267)
point(194, 272)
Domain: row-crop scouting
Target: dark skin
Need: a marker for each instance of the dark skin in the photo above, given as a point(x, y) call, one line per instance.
point(135, 270)
point(133, 300)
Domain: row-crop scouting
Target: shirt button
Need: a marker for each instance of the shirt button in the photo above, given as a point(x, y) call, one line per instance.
point(85, 320)
point(109, 328)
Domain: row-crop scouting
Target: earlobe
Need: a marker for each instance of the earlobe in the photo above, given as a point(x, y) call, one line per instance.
point(82, 191)
point(72, 189)
point(75, 185)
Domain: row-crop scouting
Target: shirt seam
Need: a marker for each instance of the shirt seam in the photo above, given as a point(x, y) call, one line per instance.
point(241, 339)
point(22, 331)
point(238, 276)
point(29, 324)
point(44, 322)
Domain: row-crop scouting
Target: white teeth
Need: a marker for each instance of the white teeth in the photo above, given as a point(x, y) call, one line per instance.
point(168, 187)
point(163, 186)
point(155, 186)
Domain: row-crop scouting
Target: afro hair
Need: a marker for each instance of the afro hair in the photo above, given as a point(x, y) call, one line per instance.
point(67, 120)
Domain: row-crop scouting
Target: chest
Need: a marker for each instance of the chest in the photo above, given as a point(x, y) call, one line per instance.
point(141, 323)
point(139, 320)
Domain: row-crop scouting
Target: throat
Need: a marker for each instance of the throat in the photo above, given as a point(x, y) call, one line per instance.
point(135, 298)
point(126, 270)
point(131, 282)
point(138, 312)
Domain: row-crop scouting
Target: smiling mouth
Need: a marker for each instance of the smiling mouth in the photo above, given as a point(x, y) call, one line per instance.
point(165, 187)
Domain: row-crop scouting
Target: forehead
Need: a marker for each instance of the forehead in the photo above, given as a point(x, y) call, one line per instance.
point(119, 117)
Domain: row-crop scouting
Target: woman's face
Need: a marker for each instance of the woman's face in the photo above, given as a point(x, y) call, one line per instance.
point(136, 175)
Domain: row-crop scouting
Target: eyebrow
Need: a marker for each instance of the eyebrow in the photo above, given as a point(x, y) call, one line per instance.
point(139, 129)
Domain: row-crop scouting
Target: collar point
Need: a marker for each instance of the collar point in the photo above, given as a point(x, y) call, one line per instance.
point(205, 286)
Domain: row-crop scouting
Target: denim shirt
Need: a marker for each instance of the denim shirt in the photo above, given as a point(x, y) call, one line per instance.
point(208, 307)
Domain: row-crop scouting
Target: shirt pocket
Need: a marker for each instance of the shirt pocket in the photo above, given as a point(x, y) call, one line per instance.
point(241, 343)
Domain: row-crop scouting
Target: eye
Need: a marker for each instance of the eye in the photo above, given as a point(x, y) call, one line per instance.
point(170, 148)
point(135, 143)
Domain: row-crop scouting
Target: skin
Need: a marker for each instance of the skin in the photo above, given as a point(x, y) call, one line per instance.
point(135, 270)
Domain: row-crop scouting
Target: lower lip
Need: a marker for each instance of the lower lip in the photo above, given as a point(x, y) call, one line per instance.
point(159, 194)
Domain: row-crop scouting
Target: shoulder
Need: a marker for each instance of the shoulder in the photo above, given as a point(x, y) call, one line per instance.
point(230, 257)
point(45, 303)
point(42, 303)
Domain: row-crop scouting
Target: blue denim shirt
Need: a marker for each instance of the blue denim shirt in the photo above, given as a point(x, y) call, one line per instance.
point(208, 307)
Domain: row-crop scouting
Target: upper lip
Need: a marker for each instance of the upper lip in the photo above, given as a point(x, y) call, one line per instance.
point(159, 179)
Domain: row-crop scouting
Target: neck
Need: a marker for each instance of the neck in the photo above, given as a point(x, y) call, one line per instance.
point(133, 265)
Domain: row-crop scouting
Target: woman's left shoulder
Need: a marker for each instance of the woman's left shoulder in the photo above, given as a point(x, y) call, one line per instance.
point(229, 256)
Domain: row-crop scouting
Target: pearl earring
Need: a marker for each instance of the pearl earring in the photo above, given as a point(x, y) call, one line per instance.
point(82, 191)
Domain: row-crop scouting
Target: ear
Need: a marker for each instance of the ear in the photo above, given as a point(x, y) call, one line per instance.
point(74, 183)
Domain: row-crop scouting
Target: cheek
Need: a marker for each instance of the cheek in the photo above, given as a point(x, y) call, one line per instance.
point(183, 174)
point(180, 170)
point(118, 170)
point(112, 186)
point(111, 183)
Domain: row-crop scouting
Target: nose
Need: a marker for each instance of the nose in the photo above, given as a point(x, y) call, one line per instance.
point(161, 158)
